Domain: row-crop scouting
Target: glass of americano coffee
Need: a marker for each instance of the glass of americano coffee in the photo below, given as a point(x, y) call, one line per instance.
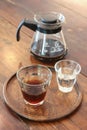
point(34, 81)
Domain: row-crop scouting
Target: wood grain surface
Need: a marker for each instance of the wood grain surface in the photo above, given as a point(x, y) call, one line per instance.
point(14, 54)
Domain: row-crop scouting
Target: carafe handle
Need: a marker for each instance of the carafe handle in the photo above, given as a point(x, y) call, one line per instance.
point(30, 24)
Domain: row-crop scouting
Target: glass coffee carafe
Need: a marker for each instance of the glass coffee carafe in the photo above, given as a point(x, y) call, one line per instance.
point(48, 42)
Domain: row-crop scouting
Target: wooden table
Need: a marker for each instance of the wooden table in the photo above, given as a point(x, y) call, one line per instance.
point(14, 54)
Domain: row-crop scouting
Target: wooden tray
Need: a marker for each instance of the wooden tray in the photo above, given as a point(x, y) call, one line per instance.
point(56, 105)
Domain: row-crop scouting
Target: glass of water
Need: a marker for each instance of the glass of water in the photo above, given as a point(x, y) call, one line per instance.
point(66, 74)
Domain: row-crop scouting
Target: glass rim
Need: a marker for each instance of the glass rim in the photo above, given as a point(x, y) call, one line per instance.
point(67, 60)
point(33, 66)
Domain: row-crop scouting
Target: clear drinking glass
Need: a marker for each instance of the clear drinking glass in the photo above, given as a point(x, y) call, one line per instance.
point(34, 81)
point(66, 74)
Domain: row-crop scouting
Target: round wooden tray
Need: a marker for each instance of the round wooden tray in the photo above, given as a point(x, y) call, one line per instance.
point(56, 105)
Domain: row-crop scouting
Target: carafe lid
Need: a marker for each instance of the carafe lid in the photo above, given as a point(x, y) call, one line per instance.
point(49, 18)
point(49, 22)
